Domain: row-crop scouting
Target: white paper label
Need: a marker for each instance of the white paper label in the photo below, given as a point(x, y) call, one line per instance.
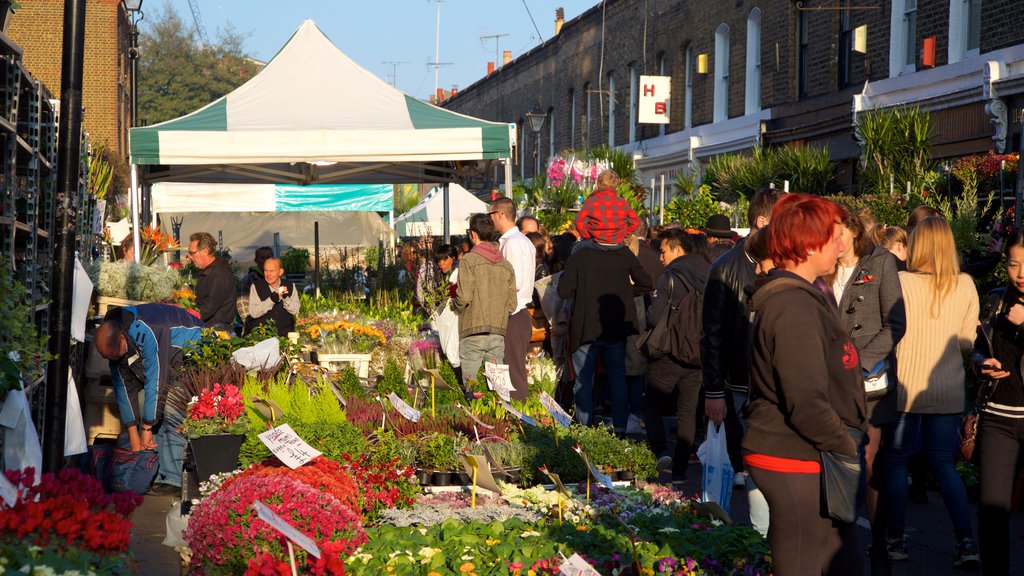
point(410, 413)
point(286, 529)
point(508, 407)
point(475, 419)
point(575, 565)
point(560, 416)
point(8, 491)
point(288, 447)
point(499, 380)
point(602, 479)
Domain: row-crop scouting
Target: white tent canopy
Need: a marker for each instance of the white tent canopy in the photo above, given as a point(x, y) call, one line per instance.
point(427, 217)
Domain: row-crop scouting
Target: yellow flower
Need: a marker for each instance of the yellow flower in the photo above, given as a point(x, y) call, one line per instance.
point(491, 541)
point(223, 335)
point(467, 567)
point(433, 574)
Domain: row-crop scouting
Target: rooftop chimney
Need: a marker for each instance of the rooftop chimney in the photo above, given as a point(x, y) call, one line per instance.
point(439, 97)
point(506, 57)
point(455, 89)
point(490, 68)
point(559, 19)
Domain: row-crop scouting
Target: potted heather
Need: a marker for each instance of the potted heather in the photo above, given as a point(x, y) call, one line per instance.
point(215, 424)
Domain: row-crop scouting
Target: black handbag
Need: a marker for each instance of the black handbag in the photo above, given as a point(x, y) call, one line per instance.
point(840, 483)
point(656, 342)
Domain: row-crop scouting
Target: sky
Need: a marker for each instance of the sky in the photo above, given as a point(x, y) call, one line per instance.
point(376, 33)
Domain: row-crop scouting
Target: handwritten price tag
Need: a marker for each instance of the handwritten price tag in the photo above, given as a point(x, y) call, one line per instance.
point(499, 380)
point(411, 414)
point(288, 447)
point(575, 565)
point(560, 416)
point(8, 491)
point(508, 407)
point(286, 529)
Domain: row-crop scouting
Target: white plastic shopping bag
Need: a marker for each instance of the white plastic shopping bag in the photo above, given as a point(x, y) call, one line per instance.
point(260, 356)
point(447, 325)
point(716, 480)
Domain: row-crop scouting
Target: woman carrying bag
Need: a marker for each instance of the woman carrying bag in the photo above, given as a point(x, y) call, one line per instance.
point(807, 396)
point(997, 358)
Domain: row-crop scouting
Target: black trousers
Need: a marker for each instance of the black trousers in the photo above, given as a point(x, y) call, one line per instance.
point(999, 446)
point(666, 380)
point(803, 541)
point(517, 344)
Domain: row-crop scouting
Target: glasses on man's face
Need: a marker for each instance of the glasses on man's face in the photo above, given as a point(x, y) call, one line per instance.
point(492, 212)
point(193, 252)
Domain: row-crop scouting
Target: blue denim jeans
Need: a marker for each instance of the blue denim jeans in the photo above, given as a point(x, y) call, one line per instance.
point(584, 361)
point(936, 435)
point(170, 446)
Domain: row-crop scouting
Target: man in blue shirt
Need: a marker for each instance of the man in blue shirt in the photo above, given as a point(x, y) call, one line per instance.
point(143, 344)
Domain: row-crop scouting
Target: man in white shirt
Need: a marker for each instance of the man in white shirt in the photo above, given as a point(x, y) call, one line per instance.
point(520, 252)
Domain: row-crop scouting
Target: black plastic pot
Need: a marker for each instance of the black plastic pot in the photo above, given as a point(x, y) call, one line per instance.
point(464, 479)
point(626, 475)
point(442, 478)
point(424, 477)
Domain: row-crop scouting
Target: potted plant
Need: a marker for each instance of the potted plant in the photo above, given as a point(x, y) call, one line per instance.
point(438, 454)
point(215, 425)
point(295, 261)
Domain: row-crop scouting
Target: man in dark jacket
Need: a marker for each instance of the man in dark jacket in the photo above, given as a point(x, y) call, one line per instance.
point(143, 344)
point(598, 276)
point(725, 344)
point(216, 291)
point(685, 256)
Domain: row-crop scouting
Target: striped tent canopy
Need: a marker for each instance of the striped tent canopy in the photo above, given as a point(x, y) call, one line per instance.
point(312, 115)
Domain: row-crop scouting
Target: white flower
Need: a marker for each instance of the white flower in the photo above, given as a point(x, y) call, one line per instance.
point(14, 356)
point(529, 533)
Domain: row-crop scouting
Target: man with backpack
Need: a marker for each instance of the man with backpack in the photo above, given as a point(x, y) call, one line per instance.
point(675, 367)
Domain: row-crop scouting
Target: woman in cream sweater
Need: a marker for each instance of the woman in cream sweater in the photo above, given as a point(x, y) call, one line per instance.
point(942, 317)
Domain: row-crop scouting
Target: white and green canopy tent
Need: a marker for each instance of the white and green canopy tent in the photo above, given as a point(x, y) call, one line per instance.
point(313, 116)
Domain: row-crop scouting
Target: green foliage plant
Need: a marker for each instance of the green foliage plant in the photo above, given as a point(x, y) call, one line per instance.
point(23, 349)
point(895, 150)
point(295, 260)
point(964, 213)
point(692, 211)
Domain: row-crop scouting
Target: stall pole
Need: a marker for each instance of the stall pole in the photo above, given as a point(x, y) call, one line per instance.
point(69, 154)
point(661, 211)
point(508, 177)
point(447, 219)
point(316, 258)
point(133, 198)
point(1020, 185)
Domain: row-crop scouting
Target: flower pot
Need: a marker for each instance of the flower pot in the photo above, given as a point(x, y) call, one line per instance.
point(215, 453)
point(465, 479)
point(423, 477)
point(442, 478)
point(626, 475)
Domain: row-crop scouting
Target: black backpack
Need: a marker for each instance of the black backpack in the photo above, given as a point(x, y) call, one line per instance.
point(677, 333)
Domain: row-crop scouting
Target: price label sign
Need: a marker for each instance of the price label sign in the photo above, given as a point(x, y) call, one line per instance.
point(499, 380)
point(575, 565)
point(8, 491)
point(288, 446)
point(286, 529)
point(602, 479)
point(560, 416)
point(508, 408)
point(411, 414)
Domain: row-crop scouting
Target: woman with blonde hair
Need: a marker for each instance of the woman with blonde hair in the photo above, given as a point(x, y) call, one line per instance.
point(942, 316)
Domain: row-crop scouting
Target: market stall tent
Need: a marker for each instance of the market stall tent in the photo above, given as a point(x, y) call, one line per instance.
point(427, 217)
point(314, 116)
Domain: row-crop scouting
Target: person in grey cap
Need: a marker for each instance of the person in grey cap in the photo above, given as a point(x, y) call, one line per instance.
point(720, 235)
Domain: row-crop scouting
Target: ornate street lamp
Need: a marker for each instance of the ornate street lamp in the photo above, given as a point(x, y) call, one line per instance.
point(134, 9)
point(536, 119)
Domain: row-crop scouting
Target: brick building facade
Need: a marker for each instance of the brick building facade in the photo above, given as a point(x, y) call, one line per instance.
point(774, 73)
point(38, 27)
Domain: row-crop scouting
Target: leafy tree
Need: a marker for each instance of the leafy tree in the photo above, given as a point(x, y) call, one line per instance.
point(178, 75)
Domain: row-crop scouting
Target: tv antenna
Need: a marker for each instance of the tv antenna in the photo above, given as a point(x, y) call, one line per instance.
point(497, 45)
point(394, 70)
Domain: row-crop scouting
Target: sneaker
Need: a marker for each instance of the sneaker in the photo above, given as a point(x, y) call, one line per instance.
point(635, 425)
point(160, 489)
point(897, 548)
point(665, 464)
point(739, 480)
point(967, 555)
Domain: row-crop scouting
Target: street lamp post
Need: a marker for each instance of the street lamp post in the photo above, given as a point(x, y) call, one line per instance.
point(536, 120)
point(134, 9)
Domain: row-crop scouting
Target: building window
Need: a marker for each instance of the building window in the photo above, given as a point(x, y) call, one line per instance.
point(753, 79)
point(572, 119)
point(721, 111)
point(964, 29)
point(611, 111)
point(801, 55)
point(909, 35)
point(845, 49)
point(688, 92)
point(662, 71)
point(551, 136)
point(634, 87)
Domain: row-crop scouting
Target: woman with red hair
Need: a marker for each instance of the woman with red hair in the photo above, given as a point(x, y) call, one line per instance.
point(807, 393)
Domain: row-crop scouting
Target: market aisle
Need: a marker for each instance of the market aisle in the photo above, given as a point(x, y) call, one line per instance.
point(148, 526)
